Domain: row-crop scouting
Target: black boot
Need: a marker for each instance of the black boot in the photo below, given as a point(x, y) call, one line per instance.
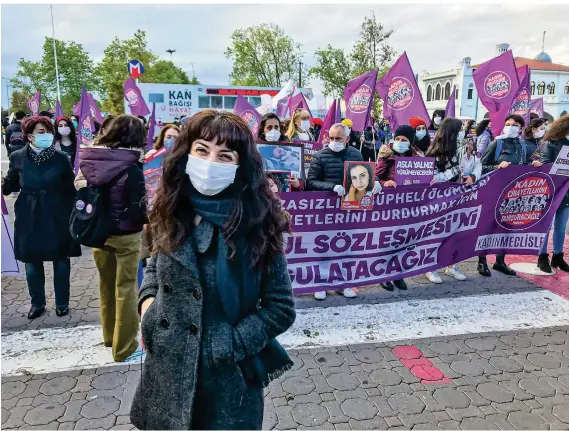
point(35, 312)
point(483, 267)
point(400, 284)
point(501, 266)
point(543, 263)
point(387, 286)
point(61, 311)
point(558, 262)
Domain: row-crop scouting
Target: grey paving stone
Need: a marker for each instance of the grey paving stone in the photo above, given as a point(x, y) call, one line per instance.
point(386, 377)
point(269, 420)
point(90, 424)
point(310, 414)
point(51, 426)
point(405, 403)
point(467, 368)
point(494, 392)
point(100, 407)
point(313, 397)
point(451, 398)
point(543, 360)
point(330, 359)
point(73, 411)
point(44, 414)
point(514, 406)
point(426, 426)
point(12, 389)
point(411, 420)
point(51, 399)
point(444, 348)
point(478, 424)
point(344, 395)
point(298, 386)
point(342, 426)
point(449, 425)
point(506, 364)
point(368, 356)
point(527, 421)
point(537, 388)
point(373, 424)
point(561, 412)
point(109, 380)
point(343, 382)
point(469, 412)
point(480, 343)
point(335, 411)
point(5, 415)
point(359, 409)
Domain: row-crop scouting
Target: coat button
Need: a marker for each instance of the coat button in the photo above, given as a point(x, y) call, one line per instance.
point(167, 288)
point(165, 323)
point(197, 294)
point(194, 329)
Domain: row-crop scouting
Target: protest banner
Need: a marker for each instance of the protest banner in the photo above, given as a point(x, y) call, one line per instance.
point(359, 99)
point(244, 109)
point(414, 170)
point(152, 171)
point(561, 165)
point(537, 106)
point(310, 150)
point(34, 104)
point(10, 266)
point(134, 98)
point(283, 156)
point(418, 229)
point(358, 185)
point(58, 110)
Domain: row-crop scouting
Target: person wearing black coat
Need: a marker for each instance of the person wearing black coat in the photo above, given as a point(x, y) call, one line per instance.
point(44, 178)
point(15, 130)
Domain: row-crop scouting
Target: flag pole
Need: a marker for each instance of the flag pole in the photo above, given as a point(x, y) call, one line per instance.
point(55, 55)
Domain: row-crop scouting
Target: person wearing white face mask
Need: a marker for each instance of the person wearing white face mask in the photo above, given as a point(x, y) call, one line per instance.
point(438, 117)
point(66, 137)
point(299, 127)
point(533, 133)
point(217, 292)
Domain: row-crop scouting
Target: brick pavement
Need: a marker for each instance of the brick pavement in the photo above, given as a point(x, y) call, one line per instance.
point(510, 380)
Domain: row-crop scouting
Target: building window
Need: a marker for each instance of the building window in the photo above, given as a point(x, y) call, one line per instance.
point(567, 88)
point(456, 93)
point(430, 92)
point(541, 88)
point(203, 102)
point(255, 101)
point(438, 92)
point(447, 91)
point(532, 88)
point(470, 91)
point(229, 102)
point(551, 88)
point(217, 102)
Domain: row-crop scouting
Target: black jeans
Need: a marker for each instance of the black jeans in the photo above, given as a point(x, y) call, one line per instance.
point(35, 276)
point(368, 154)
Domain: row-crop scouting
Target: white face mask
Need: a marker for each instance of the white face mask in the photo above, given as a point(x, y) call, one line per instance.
point(539, 133)
point(210, 178)
point(336, 146)
point(400, 147)
point(273, 135)
point(438, 120)
point(461, 135)
point(511, 131)
point(64, 131)
point(305, 125)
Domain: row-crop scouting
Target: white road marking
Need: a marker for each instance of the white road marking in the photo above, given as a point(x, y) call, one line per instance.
point(52, 350)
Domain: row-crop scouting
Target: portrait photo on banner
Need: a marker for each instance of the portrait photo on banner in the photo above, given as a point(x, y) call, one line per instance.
point(359, 178)
point(283, 157)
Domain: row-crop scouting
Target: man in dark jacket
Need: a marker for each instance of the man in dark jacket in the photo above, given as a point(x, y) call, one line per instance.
point(14, 131)
point(506, 150)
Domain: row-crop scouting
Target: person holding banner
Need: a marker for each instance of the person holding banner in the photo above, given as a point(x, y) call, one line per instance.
point(66, 137)
point(483, 137)
point(554, 141)
point(44, 178)
point(447, 169)
point(533, 133)
point(299, 127)
point(217, 292)
point(422, 140)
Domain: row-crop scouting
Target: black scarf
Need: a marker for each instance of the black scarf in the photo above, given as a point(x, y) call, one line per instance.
point(39, 158)
point(239, 287)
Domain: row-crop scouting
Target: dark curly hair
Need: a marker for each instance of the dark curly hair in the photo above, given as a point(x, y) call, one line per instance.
point(123, 131)
point(483, 125)
point(255, 212)
point(72, 134)
point(29, 126)
point(261, 133)
point(533, 124)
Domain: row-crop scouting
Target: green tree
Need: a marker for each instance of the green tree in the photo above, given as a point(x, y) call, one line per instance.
point(265, 56)
point(19, 100)
point(372, 50)
point(334, 69)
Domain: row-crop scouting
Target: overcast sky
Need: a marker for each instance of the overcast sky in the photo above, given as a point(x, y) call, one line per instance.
point(436, 37)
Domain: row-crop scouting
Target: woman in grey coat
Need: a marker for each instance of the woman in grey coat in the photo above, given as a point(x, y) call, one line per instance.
point(216, 292)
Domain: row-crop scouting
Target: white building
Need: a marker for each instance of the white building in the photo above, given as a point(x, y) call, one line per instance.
point(548, 80)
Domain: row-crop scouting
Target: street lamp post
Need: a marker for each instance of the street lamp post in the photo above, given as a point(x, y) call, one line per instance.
point(7, 91)
point(55, 54)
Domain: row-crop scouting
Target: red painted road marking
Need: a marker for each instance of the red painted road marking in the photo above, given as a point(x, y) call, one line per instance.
point(419, 366)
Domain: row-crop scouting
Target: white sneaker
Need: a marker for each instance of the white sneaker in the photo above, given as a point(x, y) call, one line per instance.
point(453, 271)
point(320, 296)
point(349, 293)
point(433, 277)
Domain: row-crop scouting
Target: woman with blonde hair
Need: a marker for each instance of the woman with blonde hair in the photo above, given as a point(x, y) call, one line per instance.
point(299, 127)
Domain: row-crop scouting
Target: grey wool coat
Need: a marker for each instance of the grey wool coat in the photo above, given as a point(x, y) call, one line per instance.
point(190, 378)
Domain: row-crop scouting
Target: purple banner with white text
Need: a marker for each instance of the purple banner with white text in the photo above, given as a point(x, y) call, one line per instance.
point(418, 229)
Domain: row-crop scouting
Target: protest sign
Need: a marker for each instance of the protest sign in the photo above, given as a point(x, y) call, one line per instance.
point(246, 111)
point(34, 104)
point(10, 266)
point(561, 165)
point(432, 134)
point(418, 229)
point(152, 178)
point(358, 185)
point(414, 170)
point(134, 98)
point(283, 156)
point(310, 150)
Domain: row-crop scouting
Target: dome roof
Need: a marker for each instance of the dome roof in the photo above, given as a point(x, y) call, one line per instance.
point(543, 56)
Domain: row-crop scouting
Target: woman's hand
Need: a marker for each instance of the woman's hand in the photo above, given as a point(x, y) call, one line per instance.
point(433, 181)
point(468, 181)
point(294, 182)
point(504, 165)
point(390, 183)
point(536, 164)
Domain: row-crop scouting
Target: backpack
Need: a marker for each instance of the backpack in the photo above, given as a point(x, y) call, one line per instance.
point(16, 141)
point(499, 144)
point(90, 222)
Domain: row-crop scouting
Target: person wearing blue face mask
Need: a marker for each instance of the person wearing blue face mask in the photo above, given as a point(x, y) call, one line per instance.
point(422, 139)
point(166, 138)
point(73, 119)
point(43, 176)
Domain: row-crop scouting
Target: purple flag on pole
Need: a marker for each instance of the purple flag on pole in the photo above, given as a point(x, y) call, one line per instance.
point(134, 98)
point(359, 99)
point(537, 106)
point(76, 108)
point(151, 126)
point(338, 111)
point(522, 103)
point(282, 106)
point(34, 104)
point(400, 93)
point(84, 126)
point(298, 102)
point(58, 110)
point(450, 110)
point(248, 113)
point(329, 120)
point(95, 112)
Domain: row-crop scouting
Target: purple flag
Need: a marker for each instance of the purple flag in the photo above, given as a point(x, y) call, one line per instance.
point(522, 103)
point(450, 110)
point(248, 113)
point(76, 108)
point(338, 111)
point(34, 104)
point(95, 112)
point(537, 106)
point(400, 93)
point(58, 110)
point(151, 126)
point(282, 106)
point(359, 99)
point(134, 98)
point(329, 120)
point(298, 102)
point(85, 125)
